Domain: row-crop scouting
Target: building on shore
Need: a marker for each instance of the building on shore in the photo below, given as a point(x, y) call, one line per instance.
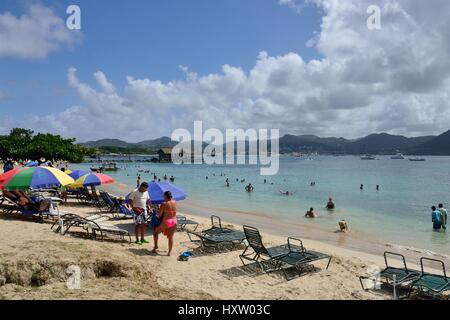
point(165, 155)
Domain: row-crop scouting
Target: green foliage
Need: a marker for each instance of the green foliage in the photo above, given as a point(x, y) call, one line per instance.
point(23, 144)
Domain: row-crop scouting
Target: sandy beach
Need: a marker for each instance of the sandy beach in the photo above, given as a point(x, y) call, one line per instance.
point(34, 260)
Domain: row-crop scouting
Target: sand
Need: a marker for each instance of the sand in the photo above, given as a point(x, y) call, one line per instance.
point(34, 259)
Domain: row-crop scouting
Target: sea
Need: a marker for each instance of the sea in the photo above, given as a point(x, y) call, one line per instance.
point(398, 213)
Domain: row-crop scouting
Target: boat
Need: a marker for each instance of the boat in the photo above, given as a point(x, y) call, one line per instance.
point(417, 159)
point(368, 157)
point(109, 166)
point(398, 156)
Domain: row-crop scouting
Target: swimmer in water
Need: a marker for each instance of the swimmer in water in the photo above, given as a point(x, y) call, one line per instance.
point(310, 213)
point(249, 188)
point(361, 187)
point(330, 204)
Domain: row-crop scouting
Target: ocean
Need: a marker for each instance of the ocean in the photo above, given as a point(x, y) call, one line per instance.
point(398, 213)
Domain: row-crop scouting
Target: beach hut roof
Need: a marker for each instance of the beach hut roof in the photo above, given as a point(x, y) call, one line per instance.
point(165, 150)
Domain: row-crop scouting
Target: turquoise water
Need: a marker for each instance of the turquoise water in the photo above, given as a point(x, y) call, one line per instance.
point(399, 213)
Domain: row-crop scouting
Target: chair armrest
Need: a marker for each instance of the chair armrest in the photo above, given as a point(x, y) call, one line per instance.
point(295, 242)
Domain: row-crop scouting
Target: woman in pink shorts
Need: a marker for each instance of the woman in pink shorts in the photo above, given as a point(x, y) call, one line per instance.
point(168, 226)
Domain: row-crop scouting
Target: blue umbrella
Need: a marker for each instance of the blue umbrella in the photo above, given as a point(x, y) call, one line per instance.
point(32, 164)
point(75, 174)
point(156, 192)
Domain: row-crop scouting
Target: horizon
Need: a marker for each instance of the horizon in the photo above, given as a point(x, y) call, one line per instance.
point(316, 67)
point(281, 136)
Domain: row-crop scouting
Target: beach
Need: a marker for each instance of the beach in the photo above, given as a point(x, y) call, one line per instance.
point(34, 259)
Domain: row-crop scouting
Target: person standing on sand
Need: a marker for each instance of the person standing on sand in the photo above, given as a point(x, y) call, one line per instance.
point(444, 215)
point(139, 201)
point(168, 226)
point(436, 217)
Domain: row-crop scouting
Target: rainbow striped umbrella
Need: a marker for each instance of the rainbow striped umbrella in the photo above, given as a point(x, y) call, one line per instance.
point(34, 178)
point(92, 179)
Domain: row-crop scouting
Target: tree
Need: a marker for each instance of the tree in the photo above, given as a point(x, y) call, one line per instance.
point(23, 144)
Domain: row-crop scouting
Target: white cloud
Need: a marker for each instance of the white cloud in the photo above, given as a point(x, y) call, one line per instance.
point(393, 80)
point(35, 34)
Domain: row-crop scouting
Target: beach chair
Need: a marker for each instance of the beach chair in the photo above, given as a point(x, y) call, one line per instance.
point(215, 241)
point(434, 284)
point(299, 258)
point(125, 211)
point(256, 252)
point(183, 222)
point(268, 259)
point(391, 275)
point(216, 228)
point(94, 225)
point(217, 236)
point(109, 204)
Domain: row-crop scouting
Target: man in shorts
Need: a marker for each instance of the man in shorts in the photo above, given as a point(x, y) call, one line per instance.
point(140, 201)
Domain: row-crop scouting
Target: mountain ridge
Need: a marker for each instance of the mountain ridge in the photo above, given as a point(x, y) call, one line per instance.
point(376, 143)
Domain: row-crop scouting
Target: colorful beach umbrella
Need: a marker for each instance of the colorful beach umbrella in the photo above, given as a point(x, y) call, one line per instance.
point(92, 179)
point(156, 192)
point(77, 173)
point(34, 178)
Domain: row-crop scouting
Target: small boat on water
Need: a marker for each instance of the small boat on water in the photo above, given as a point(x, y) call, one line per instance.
point(368, 157)
point(109, 166)
point(398, 156)
point(417, 159)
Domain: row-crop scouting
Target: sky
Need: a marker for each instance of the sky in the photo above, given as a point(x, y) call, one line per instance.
point(140, 69)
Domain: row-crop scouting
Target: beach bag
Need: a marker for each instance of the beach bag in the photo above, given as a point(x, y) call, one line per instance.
point(155, 221)
point(138, 211)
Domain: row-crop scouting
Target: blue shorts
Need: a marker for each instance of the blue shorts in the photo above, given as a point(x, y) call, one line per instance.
point(437, 226)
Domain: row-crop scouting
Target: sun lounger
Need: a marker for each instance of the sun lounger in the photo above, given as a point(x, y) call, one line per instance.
point(232, 237)
point(217, 235)
point(93, 225)
point(299, 258)
point(432, 283)
point(183, 222)
point(274, 258)
point(216, 228)
point(392, 275)
point(110, 204)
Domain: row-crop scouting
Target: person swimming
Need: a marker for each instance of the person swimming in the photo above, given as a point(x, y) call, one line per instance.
point(286, 193)
point(361, 187)
point(330, 204)
point(249, 188)
point(310, 213)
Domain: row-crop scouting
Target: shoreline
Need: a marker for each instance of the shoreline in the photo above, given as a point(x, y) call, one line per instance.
point(352, 241)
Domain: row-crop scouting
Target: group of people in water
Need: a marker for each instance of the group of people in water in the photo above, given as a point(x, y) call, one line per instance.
point(439, 217)
point(155, 178)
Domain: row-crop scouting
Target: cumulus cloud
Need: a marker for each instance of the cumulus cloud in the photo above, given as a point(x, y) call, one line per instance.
point(391, 80)
point(35, 34)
